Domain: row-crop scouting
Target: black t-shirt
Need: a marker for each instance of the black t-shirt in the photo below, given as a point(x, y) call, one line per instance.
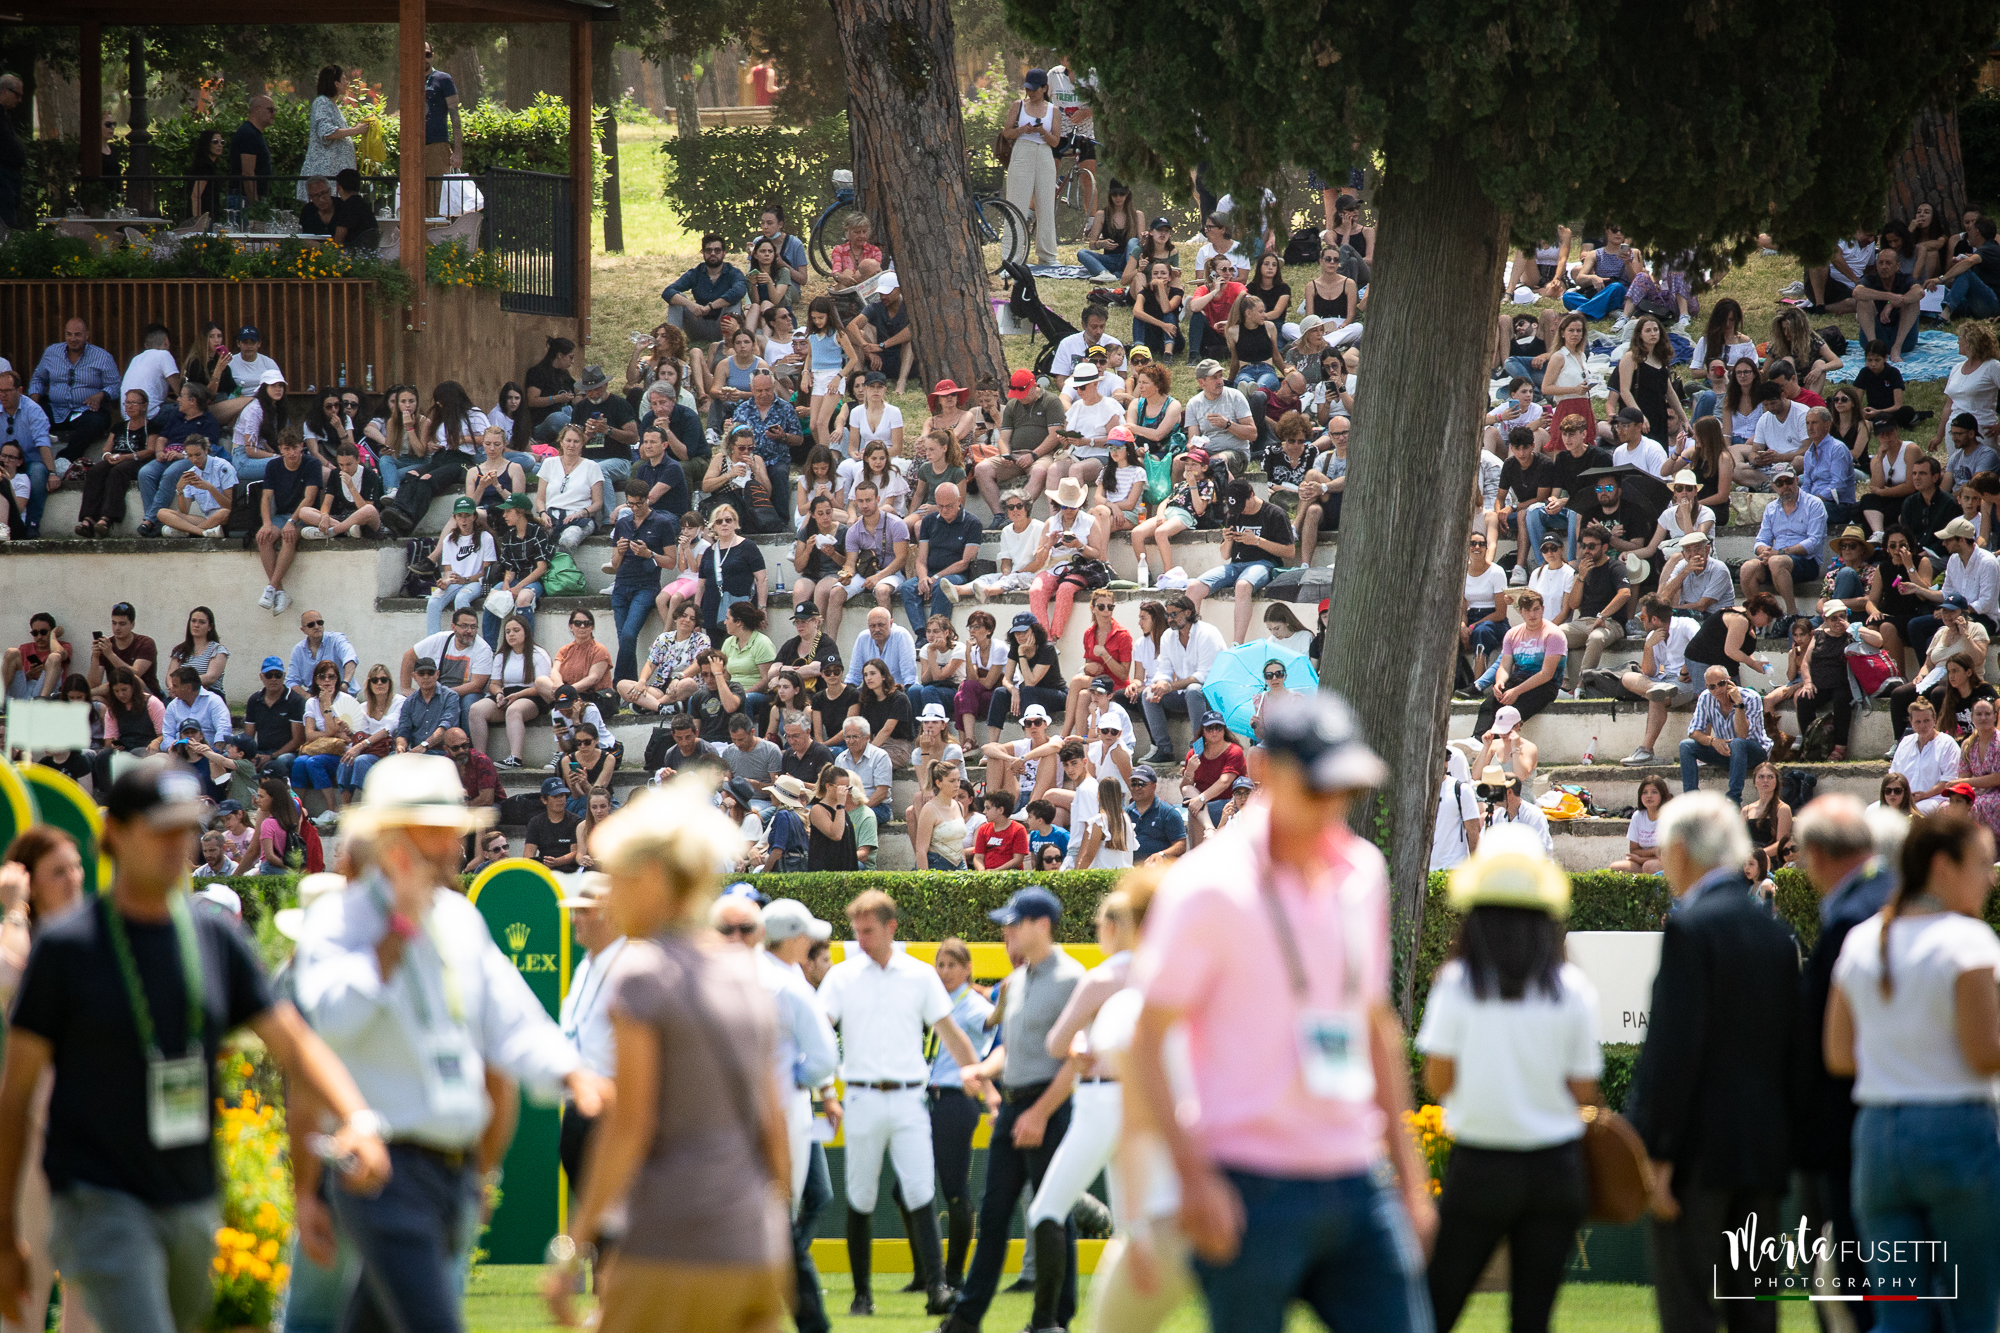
point(551, 382)
point(1052, 679)
point(1254, 345)
point(287, 488)
point(73, 996)
point(878, 713)
point(833, 711)
point(1989, 264)
point(1565, 468)
point(1524, 482)
point(1270, 523)
point(617, 413)
point(551, 837)
point(249, 140)
point(314, 223)
point(1600, 585)
point(703, 757)
point(1527, 348)
point(825, 652)
point(669, 473)
point(357, 215)
point(1879, 390)
point(659, 532)
point(1626, 522)
point(806, 770)
point(273, 721)
point(886, 325)
point(709, 714)
point(1271, 295)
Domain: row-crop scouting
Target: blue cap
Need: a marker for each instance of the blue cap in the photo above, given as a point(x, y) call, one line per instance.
point(554, 787)
point(1956, 601)
point(1029, 902)
point(1318, 731)
point(743, 888)
point(1035, 78)
point(271, 664)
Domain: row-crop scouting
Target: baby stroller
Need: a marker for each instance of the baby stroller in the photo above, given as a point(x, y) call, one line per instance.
point(1025, 303)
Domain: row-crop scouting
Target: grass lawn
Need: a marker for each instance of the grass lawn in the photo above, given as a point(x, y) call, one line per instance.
point(504, 1299)
point(626, 287)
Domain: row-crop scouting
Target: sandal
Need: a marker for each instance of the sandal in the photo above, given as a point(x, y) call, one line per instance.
point(103, 527)
point(83, 529)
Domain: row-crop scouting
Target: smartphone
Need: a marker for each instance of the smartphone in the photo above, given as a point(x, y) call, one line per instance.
point(96, 634)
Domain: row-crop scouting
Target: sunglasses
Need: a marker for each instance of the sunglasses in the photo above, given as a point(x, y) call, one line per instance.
point(745, 929)
point(1274, 675)
point(456, 749)
point(314, 624)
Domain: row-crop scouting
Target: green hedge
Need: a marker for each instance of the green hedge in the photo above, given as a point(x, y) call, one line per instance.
point(723, 178)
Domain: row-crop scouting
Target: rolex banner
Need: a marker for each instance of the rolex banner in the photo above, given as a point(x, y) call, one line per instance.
point(521, 902)
point(66, 806)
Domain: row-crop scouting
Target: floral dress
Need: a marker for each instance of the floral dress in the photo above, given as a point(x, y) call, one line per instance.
point(670, 656)
point(1976, 761)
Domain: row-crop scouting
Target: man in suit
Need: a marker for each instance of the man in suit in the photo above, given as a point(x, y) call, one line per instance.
point(1710, 1093)
point(1837, 851)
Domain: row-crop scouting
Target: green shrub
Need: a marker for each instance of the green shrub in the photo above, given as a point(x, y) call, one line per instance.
point(1979, 146)
point(723, 178)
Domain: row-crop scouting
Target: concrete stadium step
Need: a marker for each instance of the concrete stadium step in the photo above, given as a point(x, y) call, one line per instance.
point(893, 850)
point(1611, 785)
point(1564, 730)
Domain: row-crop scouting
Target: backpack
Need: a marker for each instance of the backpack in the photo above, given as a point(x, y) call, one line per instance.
point(315, 853)
point(1816, 745)
point(564, 579)
point(1796, 786)
point(1303, 248)
point(244, 516)
point(520, 807)
point(657, 745)
point(420, 570)
point(1873, 671)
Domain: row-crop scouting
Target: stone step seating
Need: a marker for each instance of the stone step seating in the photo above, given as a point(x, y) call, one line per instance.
point(1613, 786)
point(1563, 731)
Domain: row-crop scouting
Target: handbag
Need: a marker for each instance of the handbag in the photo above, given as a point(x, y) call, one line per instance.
point(1003, 147)
point(1618, 1180)
point(325, 745)
point(1159, 478)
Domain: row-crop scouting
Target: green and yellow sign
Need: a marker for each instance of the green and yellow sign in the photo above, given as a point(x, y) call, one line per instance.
point(17, 804)
point(522, 904)
point(66, 806)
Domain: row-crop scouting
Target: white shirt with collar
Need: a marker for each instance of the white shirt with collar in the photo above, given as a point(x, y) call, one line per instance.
point(453, 983)
point(805, 1055)
point(1077, 346)
point(1925, 766)
point(586, 1011)
point(1977, 581)
point(882, 1013)
point(1191, 659)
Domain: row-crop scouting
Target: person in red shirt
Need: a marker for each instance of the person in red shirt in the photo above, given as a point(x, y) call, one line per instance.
point(1212, 766)
point(35, 669)
point(1107, 651)
point(1002, 843)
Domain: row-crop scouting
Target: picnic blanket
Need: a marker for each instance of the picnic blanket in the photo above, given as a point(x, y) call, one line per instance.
point(1937, 352)
point(1071, 271)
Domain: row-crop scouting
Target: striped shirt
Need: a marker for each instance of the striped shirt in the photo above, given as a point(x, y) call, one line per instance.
point(1710, 717)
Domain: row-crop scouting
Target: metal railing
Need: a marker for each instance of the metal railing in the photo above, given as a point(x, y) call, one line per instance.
point(530, 228)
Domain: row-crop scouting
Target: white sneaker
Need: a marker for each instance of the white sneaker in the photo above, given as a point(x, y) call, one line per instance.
point(312, 534)
point(270, 593)
point(1793, 289)
point(283, 600)
point(1519, 578)
point(1665, 691)
point(1681, 323)
point(215, 533)
point(1145, 579)
point(1639, 758)
point(608, 567)
point(1623, 322)
point(328, 819)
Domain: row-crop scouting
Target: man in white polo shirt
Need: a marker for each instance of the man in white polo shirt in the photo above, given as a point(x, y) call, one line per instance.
point(882, 1000)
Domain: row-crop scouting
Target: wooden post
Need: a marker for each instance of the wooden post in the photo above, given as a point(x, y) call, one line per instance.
point(410, 150)
point(581, 174)
point(90, 98)
point(139, 162)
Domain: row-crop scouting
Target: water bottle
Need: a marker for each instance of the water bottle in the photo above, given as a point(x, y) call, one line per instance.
point(343, 375)
point(779, 585)
point(1590, 751)
point(371, 379)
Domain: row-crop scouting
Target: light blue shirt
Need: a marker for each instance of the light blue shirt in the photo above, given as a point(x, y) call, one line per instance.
point(68, 388)
point(1827, 471)
point(207, 709)
point(333, 647)
point(27, 427)
point(218, 472)
point(806, 1055)
point(900, 653)
point(970, 1010)
point(453, 985)
point(1805, 526)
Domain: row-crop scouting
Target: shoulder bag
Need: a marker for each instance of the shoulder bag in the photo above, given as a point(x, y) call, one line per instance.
point(1003, 147)
point(1620, 1184)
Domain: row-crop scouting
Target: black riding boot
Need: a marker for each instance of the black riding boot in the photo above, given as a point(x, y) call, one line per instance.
point(1051, 1265)
point(860, 1260)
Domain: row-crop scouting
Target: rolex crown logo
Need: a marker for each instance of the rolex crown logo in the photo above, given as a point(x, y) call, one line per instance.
point(517, 936)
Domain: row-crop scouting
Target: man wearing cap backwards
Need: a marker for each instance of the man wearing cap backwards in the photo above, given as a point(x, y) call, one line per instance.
point(1281, 976)
point(585, 1016)
point(1719, 1065)
point(1033, 1116)
point(1027, 426)
point(399, 972)
point(791, 936)
point(127, 1000)
point(1658, 679)
point(1635, 447)
point(882, 1001)
point(881, 332)
point(1970, 573)
point(1789, 539)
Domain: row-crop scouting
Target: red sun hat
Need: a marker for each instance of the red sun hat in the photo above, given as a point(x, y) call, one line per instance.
point(946, 386)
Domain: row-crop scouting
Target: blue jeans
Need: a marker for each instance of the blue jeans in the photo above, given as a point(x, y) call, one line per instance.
point(1093, 262)
point(944, 696)
point(1744, 755)
point(38, 491)
point(616, 471)
point(392, 465)
point(457, 597)
point(629, 609)
point(317, 1299)
point(810, 1313)
point(134, 1265)
point(1931, 1173)
point(1256, 573)
point(1600, 306)
point(1538, 522)
point(1343, 1246)
point(314, 772)
point(1518, 368)
point(409, 1237)
point(349, 774)
point(1969, 295)
point(1197, 334)
point(489, 624)
point(940, 605)
point(247, 468)
point(1258, 375)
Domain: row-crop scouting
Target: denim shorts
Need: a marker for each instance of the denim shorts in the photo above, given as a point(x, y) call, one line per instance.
point(1256, 573)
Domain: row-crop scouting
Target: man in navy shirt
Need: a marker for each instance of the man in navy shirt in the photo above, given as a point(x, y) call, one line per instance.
point(642, 545)
point(1157, 827)
point(443, 136)
point(250, 153)
point(293, 481)
point(687, 442)
point(666, 479)
point(947, 544)
point(698, 299)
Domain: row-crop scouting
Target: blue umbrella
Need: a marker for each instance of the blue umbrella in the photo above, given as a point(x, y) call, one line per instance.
point(1237, 678)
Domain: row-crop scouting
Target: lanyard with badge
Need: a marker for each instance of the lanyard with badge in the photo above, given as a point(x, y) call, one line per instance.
point(176, 1090)
point(443, 1053)
point(1334, 1054)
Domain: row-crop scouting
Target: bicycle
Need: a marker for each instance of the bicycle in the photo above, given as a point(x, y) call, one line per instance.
point(995, 222)
point(1074, 188)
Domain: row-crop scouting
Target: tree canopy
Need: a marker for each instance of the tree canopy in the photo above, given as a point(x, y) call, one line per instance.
point(1694, 124)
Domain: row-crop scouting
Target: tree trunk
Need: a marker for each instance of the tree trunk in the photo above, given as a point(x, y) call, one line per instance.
point(603, 71)
point(680, 92)
point(903, 104)
point(1931, 170)
point(535, 64)
point(1399, 572)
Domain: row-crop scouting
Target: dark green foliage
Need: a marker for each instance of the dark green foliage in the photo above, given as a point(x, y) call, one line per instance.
point(1745, 116)
point(723, 179)
point(1979, 143)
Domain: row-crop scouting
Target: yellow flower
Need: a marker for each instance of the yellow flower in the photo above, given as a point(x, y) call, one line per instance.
point(268, 1251)
point(280, 1274)
point(220, 1264)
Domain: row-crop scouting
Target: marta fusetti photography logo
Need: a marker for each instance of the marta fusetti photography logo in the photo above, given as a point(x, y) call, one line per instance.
point(1805, 1265)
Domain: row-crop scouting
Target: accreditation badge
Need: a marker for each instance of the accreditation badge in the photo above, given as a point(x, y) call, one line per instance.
point(177, 1101)
point(448, 1064)
point(1333, 1054)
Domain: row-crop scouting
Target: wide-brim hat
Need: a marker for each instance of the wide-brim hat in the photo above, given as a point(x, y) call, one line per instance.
point(1510, 870)
point(946, 388)
point(1070, 494)
point(789, 792)
point(414, 791)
